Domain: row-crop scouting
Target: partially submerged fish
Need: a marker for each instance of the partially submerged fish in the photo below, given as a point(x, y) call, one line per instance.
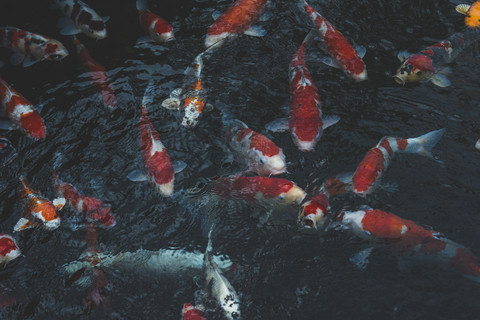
point(472, 14)
point(8, 249)
point(157, 28)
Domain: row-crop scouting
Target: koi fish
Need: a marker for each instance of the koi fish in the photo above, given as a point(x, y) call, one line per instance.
point(306, 122)
point(343, 54)
point(258, 152)
point(21, 112)
point(7, 151)
point(472, 14)
point(30, 47)
point(238, 19)
point(428, 64)
point(406, 235)
point(38, 208)
point(193, 95)
point(190, 312)
point(92, 209)
point(218, 286)
point(158, 29)
point(80, 18)
point(376, 161)
point(262, 190)
point(98, 75)
point(8, 249)
point(315, 211)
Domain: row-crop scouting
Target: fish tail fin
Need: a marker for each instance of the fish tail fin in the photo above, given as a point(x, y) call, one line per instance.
point(424, 144)
point(209, 249)
point(462, 8)
point(26, 190)
point(309, 37)
point(142, 5)
point(149, 94)
point(23, 224)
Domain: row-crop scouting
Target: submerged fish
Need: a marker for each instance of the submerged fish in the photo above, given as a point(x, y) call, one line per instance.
point(343, 54)
point(80, 18)
point(38, 209)
point(158, 29)
point(190, 312)
point(306, 122)
point(98, 75)
point(255, 150)
point(30, 47)
point(21, 112)
point(8, 249)
point(7, 151)
point(92, 209)
point(472, 14)
point(238, 19)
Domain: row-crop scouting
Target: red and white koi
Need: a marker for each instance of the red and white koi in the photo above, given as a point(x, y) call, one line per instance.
point(343, 54)
point(376, 161)
point(93, 209)
point(7, 151)
point(155, 157)
point(38, 208)
point(158, 29)
point(21, 112)
point(258, 152)
point(314, 212)
point(406, 235)
point(30, 47)
point(80, 18)
point(238, 19)
point(190, 312)
point(306, 122)
point(9, 249)
point(98, 75)
point(429, 64)
point(268, 191)
point(193, 95)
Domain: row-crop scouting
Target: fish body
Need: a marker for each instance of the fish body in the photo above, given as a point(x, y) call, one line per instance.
point(238, 18)
point(93, 209)
point(7, 151)
point(472, 14)
point(407, 236)
point(305, 122)
point(263, 190)
point(344, 55)
point(259, 153)
point(31, 47)
point(21, 112)
point(37, 208)
point(314, 212)
point(98, 75)
point(158, 29)
point(377, 159)
point(79, 17)
point(8, 249)
point(190, 312)
point(218, 287)
point(155, 157)
point(429, 64)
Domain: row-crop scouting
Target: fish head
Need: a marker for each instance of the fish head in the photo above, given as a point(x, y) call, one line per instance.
point(162, 32)
point(417, 67)
point(32, 125)
point(165, 189)
point(54, 51)
point(306, 139)
point(355, 69)
point(7, 151)
point(294, 195)
point(268, 165)
point(95, 29)
point(314, 213)
point(8, 249)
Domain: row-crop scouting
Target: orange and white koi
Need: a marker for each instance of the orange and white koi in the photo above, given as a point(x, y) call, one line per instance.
point(238, 19)
point(268, 191)
point(376, 161)
point(472, 14)
point(80, 18)
point(92, 209)
point(98, 75)
point(7, 151)
point(30, 47)
point(21, 112)
point(38, 208)
point(9, 249)
point(406, 235)
point(158, 29)
point(193, 95)
point(258, 152)
point(343, 54)
point(306, 122)
point(314, 212)
point(190, 312)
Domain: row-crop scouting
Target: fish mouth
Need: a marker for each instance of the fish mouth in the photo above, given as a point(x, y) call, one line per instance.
point(399, 80)
point(360, 77)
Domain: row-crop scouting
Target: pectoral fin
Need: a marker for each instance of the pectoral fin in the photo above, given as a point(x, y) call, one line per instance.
point(28, 61)
point(403, 55)
point(361, 50)
point(329, 61)
point(329, 121)
point(178, 166)
point(462, 8)
point(278, 125)
point(59, 203)
point(17, 58)
point(255, 31)
point(70, 30)
point(360, 259)
point(23, 224)
point(440, 80)
point(137, 175)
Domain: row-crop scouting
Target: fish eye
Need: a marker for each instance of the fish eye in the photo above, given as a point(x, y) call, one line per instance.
point(419, 72)
point(157, 34)
point(281, 197)
point(56, 57)
point(348, 72)
point(262, 160)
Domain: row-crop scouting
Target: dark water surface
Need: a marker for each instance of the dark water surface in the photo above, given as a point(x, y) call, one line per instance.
point(281, 271)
